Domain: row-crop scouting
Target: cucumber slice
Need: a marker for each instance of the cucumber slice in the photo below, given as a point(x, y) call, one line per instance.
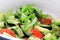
point(1, 17)
point(13, 22)
point(58, 38)
point(19, 31)
point(56, 21)
point(33, 38)
point(2, 24)
point(43, 30)
point(50, 36)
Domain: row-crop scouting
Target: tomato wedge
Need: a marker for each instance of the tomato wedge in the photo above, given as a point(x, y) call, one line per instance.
point(37, 33)
point(8, 31)
point(47, 21)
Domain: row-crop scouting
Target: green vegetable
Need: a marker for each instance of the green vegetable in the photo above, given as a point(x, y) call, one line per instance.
point(44, 25)
point(13, 21)
point(54, 27)
point(56, 21)
point(2, 20)
point(29, 26)
point(47, 37)
point(19, 31)
point(12, 17)
point(33, 38)
point(8, 14)
point(39, 11)
point(2, 25)
point(50, 37)
point(53, 37)
point(43, 30)
point(27, 18)
point(46, 16)
point(32, 16)
point(58, 38)
point(56, 30)
point(1, 17)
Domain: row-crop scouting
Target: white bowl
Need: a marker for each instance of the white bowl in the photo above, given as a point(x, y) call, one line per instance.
point(51, 7)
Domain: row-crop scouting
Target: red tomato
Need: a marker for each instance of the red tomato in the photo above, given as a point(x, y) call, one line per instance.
point(37, 33)
point(8, 31)
point(47, 21)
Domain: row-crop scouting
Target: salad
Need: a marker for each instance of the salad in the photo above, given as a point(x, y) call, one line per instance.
point(29, 23)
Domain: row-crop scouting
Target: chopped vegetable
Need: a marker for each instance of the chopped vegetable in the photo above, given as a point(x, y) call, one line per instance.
point(57, 21)
point(2, 25)
point(58, 38)
point(47, 21)
point(8, 31)
point(19, 32)
point(50, 37)
point(13, 21)
point(37, 33)
point(33, 38)
point(8, 14)
point(43, 30)
point(1, 17)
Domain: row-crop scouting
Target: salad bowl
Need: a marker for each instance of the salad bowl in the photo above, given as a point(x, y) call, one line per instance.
point(47, 15)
